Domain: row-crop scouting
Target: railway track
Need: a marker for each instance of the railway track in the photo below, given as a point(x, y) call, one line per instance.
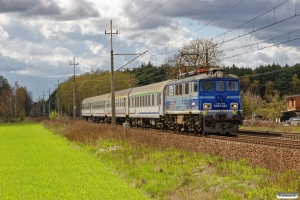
point(269, 138)
point(270, 134)
point(276, 139)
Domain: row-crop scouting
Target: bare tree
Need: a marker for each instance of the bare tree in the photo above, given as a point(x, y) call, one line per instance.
point(195, 55)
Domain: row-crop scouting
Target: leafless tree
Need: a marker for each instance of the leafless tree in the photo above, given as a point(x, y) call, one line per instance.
point(193, 56)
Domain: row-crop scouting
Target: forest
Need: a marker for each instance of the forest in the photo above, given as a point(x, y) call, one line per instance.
point(259, 85)
point(15, 102)
point(263, 88)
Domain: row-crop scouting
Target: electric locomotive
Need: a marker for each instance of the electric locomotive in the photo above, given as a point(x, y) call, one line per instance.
point(204, 101)
point(201, 101)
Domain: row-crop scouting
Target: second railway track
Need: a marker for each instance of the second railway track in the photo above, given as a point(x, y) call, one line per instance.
point(276, 139)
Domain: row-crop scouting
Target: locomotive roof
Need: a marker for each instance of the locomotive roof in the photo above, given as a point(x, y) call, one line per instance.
point(202, 76)
point(152, 88)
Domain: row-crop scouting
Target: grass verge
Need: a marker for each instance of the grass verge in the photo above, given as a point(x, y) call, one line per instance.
point(172, 173)
point(35, 164)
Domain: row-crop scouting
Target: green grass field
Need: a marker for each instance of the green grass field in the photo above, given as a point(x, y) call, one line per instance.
point(35, 164)
point(166, 173)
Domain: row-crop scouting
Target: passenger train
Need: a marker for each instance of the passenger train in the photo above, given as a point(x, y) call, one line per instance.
point(201, 101)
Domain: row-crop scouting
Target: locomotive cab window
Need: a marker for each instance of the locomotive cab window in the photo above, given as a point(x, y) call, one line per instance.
point(232, 86)
point(194, 87)
point(207, 86)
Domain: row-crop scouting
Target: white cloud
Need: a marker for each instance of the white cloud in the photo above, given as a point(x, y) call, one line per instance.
point(38, 38)
point(3, 34)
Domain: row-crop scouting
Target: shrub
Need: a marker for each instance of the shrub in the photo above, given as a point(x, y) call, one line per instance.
point(53, 115)
point(21, 114)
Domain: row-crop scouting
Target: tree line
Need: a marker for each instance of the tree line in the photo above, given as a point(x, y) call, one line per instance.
point(261, 86)
point(15, 101)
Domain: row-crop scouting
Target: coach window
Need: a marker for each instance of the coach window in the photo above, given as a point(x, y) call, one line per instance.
point(232, 86)
point(158, 99)
point(171, 90)
point(148, 101)
point(186, 88)
point(152, 99)
point(180, 89)
point(176, 90)
point(220, 85)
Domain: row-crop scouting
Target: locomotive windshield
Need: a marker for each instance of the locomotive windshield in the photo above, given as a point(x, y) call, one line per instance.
point(229, 85)
point(232, 86)
point(207, 86)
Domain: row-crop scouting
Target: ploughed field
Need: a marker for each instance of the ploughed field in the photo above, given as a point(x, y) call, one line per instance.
point(35, 164)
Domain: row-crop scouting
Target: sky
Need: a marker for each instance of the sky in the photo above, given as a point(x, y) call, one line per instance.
point(40, 38)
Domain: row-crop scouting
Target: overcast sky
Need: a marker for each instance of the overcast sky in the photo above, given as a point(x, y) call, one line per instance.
point(39, 38)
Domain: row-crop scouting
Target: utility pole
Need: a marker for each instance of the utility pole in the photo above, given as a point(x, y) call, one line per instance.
point(57, 94)
point(39, 111)
point(206, 58)
point(113, 106)
point(36, 108)
point(49, 110)
point(74, 97)
point(129, 81)
point(43, 113)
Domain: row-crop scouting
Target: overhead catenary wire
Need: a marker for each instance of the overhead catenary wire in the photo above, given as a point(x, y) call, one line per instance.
point(261, 48)
point(222, 34)
point(133, 14)
point(296, 15)
point(201, 27)
point(271, 39)
point(253, 19)
point(146, 15)
point(259, 29)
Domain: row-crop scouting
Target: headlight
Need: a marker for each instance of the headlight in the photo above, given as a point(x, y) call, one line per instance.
point(207, 106)
point(220, 74)
point(234, 106)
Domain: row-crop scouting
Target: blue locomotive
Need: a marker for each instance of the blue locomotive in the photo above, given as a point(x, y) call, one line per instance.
point(204, 101)
point(201, 101)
